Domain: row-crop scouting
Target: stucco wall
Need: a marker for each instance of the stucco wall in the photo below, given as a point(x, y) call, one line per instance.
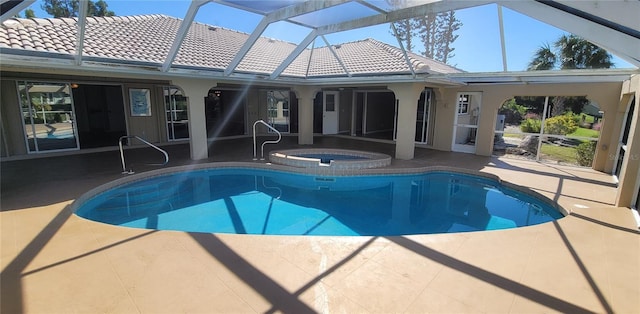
point(152, 128)
point(12, 139)
point(147, 127)
point(607, 95)
point(445, 113)
point(628, 185)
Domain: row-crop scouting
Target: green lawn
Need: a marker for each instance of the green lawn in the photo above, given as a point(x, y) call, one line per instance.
point(582, 132)
point(559, 153)
point(588, 118)
point(585, 133)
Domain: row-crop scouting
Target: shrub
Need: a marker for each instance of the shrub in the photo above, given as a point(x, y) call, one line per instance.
point(513, 112)
point(561, 125)
point(585, 152)
point(530, 126)
point(532, 115)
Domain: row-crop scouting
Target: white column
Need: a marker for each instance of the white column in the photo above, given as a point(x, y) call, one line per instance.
point(196, 90)
point(407, 95)
point(305, 95)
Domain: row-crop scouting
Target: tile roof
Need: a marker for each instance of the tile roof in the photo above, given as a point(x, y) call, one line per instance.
point(148, 39)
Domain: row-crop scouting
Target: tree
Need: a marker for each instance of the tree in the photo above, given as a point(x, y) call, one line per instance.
point(436, 32)
point(557, 106)
point(449, 24)
point(534, 104)
point(578, 53)
point(572, 52)
point(405, 30)
point(29, 14)
point(70, 8)
point(61, 8)
point(512, 111)
point(100, 9)
point(544, 59)
point(428, 32)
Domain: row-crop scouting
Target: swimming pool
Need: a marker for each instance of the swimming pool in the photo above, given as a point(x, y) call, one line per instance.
point(258, 200)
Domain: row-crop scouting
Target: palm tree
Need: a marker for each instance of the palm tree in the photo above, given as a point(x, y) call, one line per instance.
point(578, 53)
point(544, 59)
point(572, 52)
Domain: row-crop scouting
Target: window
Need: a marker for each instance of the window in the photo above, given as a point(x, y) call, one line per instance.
point(278, 109)
point(48, 116)
point(463, 104)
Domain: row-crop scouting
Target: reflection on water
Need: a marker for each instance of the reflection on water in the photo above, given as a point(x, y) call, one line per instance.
point(267, 202)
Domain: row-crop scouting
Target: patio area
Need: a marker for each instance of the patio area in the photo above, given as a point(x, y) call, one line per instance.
point(55, 262)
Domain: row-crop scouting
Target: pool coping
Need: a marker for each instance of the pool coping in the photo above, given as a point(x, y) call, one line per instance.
point(370, 159)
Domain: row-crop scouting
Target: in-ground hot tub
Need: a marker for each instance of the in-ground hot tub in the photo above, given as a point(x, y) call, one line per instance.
point(327, 158)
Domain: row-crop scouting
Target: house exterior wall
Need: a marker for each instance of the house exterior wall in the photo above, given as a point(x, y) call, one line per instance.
point(607, 95)
point(627, 181)
point(446, 106)
point(306, 96)
point(255, 99)
point(12, 138)
point(407, 96)
point(152, 128)
point(616, 120)
point(196, 90)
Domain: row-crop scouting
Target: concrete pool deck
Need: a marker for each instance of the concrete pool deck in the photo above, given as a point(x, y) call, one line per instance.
point(55, 262)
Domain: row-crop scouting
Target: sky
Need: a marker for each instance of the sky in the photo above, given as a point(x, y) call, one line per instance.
point(477, 49)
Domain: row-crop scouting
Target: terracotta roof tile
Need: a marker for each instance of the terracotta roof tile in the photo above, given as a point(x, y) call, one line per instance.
point(148, 38)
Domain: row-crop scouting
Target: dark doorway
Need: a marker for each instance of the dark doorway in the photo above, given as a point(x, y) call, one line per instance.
point(317, 113)
point(379, 115)
point(99, 115)
point(293, 113)
point(224, 111)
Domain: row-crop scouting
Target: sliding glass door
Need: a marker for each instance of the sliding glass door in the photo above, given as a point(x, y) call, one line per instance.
point(423, 117)
point(278, 110)
point(48, 116)
point(176, 114)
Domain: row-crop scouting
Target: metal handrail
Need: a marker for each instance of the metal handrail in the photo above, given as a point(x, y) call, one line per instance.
point(124, 167)
point(265, 142)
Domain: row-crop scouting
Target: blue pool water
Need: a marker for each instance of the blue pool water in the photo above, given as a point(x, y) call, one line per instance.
point(258, 201)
